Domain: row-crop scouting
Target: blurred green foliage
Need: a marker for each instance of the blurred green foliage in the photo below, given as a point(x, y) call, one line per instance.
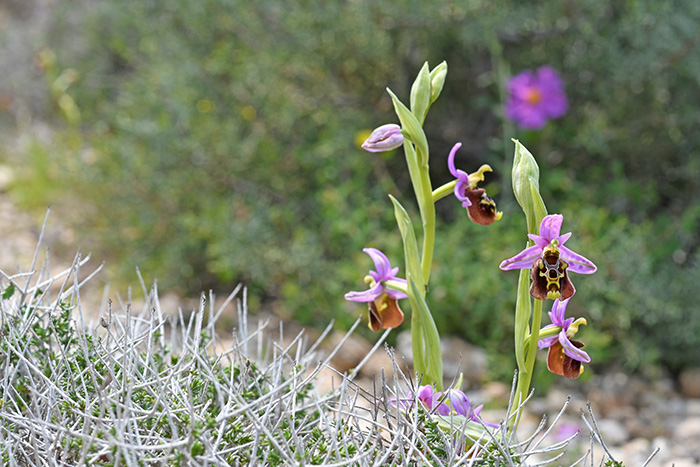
point(219, 144)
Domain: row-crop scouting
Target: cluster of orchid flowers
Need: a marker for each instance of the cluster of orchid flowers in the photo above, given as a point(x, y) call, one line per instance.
point(548, 259)
point(550, 262)
point(535, 97)
point(385, 288)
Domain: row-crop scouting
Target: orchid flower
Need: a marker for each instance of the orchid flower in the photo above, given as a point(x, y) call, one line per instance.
point(565, 355)
point(462, 406)
point(450, 402)
point(384, 311)
point(480, 207)
point(384, 138)
point(550, 261)
point(427, 396)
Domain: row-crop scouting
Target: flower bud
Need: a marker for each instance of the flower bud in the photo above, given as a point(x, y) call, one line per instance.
point(437, 80)
point(384, 138)
point(420, 93)
point(526, 187)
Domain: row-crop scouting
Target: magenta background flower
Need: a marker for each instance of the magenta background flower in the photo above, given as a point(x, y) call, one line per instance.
point(536, 97)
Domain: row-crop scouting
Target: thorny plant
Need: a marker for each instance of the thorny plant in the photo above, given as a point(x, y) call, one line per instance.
point(153, 388)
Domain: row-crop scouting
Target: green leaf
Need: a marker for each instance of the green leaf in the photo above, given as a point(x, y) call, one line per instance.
point(431, 352)
point(414, 172)
point(9, 291)
point(538, 208)
point(460, 423)
point(420, 93)
point(410, 245)
point(412, 128)
point(522, 317)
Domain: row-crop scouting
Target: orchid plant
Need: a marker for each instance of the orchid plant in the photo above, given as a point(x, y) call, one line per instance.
point(545, 262)
point(385, 288)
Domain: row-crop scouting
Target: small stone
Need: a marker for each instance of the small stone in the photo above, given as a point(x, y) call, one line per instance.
point(688, 433)
point(682, 462)
point(613, 432)
point(496, 391)
point(7, 176)
point(458, 356)
point(380, 364)
point(354, 349)
point(462, 357)
point(689, 381)
point(636, 451)
point(692, 407)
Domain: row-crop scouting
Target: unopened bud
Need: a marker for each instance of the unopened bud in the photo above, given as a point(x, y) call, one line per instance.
point(384, 138)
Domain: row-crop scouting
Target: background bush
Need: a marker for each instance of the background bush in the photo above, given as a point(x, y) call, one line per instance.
point(216, 142)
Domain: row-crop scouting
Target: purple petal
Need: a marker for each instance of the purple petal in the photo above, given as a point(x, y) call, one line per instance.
point(384, 138)
point(451, 160)
point(547, 342)
point(551, 226)
point(535, 97)
point(395, 294)
point(460, 402)
point(539, 241)
point(381, 264)
point(459, 189)
point(577, 263)
point(523, 260)
point(368, 295)
point(563, 238)
point(443, 409)
point(571, 350)
point(425, 394)
point(558, 312)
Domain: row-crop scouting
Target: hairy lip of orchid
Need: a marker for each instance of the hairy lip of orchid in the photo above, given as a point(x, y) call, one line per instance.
point(565, 356)
point(550, 261)
point(480, 207)
point(382, 300)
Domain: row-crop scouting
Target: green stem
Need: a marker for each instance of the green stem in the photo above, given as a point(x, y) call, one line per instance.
point(445, 190)
point(550, 332)
point(428, 221)
point(525, 377)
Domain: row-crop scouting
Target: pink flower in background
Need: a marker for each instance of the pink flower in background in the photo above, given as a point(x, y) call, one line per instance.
point(535, 97)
